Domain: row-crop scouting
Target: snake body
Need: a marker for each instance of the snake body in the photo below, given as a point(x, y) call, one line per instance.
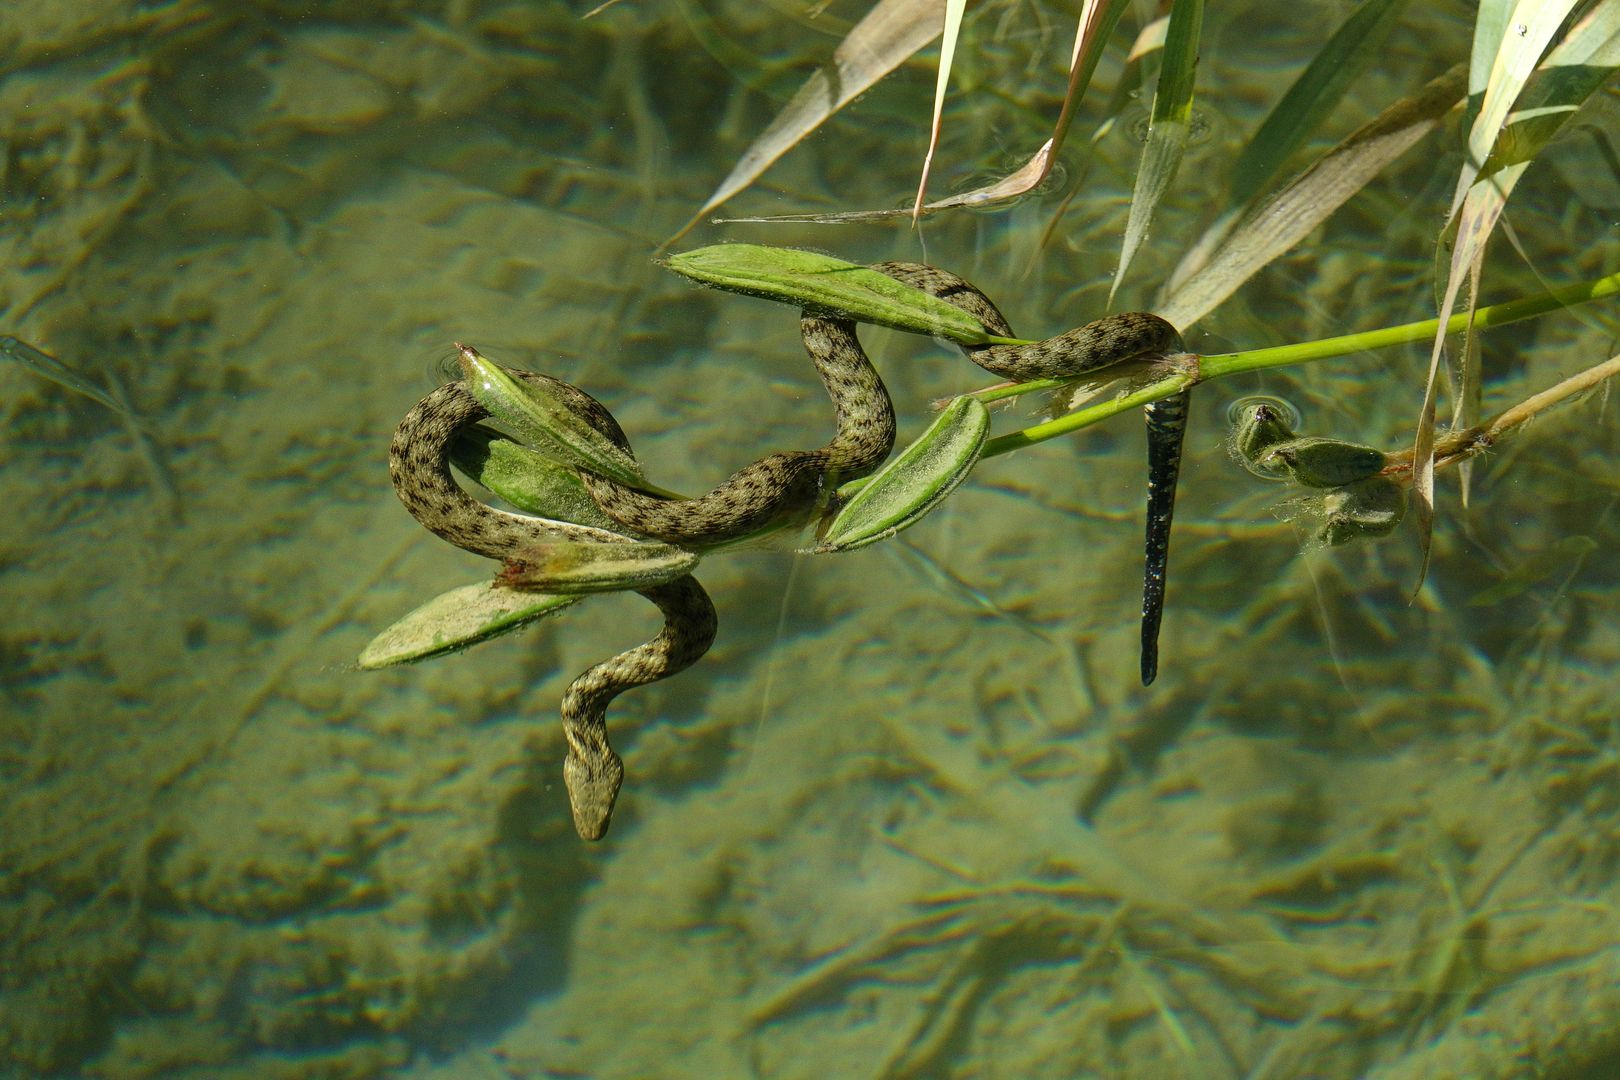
point(419, 464)
point(785, 487)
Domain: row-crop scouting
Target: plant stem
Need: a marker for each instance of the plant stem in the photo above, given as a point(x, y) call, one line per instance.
point(1214, 367)
point(1461, 445)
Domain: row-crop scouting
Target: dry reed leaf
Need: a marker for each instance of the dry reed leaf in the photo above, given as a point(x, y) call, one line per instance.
point(1097, 20)
point(891, 32)
point(947, 53)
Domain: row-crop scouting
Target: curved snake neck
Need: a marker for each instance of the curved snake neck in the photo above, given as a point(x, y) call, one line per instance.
point(786, 487)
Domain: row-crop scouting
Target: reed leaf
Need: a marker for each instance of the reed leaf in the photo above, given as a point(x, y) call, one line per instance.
point(546, 422)
point(1167, 131)
point(458, 619)
point(1276, 225)
point(889, 34)
point(821, 283)
point(914, 481)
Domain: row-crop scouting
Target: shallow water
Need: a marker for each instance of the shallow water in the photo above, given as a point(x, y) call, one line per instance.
point(913, 816)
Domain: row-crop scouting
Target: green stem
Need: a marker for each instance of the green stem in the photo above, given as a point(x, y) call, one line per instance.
point(1214, 367)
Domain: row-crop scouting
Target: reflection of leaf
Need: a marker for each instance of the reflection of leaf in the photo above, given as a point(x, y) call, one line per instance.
point(1571, 549)
point(915, 481)
point(457, 619)
point(822, 283)
point(890, 33)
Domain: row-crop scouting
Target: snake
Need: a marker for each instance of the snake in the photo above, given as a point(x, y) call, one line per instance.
point(793, 483)
point(419, 465)
point(786, 487)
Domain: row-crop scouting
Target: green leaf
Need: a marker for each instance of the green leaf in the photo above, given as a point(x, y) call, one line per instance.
point(584, 566)
point(458, 619)
point(823, 284)
point(1371, 507)
point(915, 481)
point(527, 479)
point(546, 421)
point(1167, 130)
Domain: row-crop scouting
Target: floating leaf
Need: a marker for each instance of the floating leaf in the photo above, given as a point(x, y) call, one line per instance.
point(527, 479)
point(458, 619)
point(915, 481)
point(1097, 21)
point(824, 284)
point(583, 566)
point(546, 420)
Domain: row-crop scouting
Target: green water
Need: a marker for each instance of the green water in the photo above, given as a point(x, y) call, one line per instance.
point(913, 816)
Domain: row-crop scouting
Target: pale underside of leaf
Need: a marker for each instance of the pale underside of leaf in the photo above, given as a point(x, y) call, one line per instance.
point(915, 481)
point(457, 619)
point(570, 567)
point(821, 283)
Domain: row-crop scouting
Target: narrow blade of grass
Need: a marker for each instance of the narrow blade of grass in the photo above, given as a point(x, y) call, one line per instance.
point(1167, 132)
point(947, 53)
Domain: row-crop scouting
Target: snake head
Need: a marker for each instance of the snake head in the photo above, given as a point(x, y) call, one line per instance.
point(593, 785)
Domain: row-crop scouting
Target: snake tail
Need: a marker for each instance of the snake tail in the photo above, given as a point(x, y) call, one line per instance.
point(592, 771)
point(1167, 429)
